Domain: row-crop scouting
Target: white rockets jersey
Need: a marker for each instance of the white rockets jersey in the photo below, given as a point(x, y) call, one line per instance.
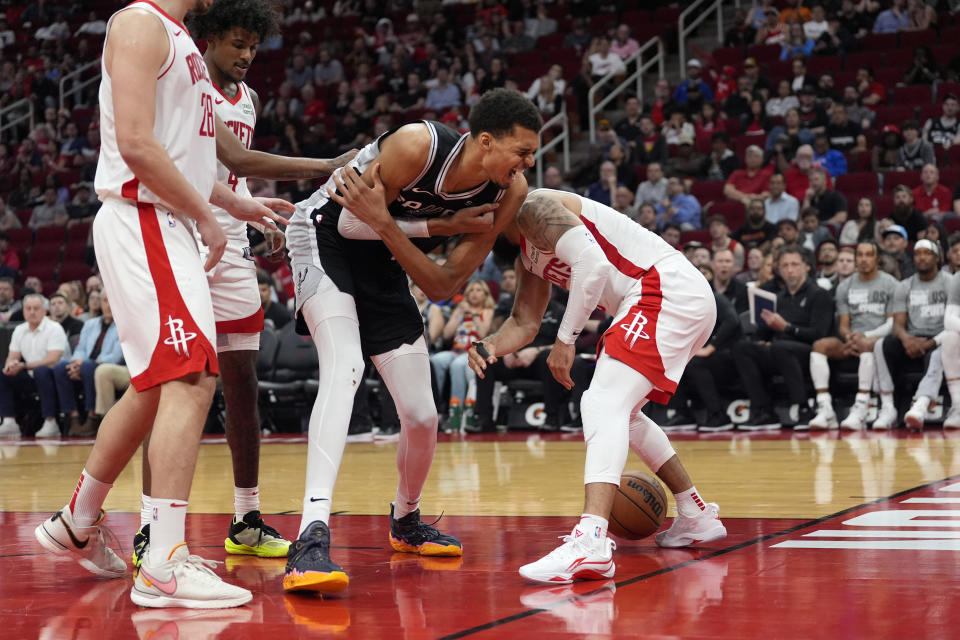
point(630, 248)
point(239, 115)
point(183, 120)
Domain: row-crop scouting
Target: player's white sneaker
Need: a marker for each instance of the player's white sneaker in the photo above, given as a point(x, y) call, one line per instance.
point(704, 527)
point(9, 428)
point(887, 418)
point(61, 536)
point(50, 429)
point(184, 580)
point(952, 421)
point(856, 420)
point(580, 557)
point(826, 418)
point(918, 411)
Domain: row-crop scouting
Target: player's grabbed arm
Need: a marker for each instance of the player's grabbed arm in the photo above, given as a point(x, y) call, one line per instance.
point(252, 210)
point(245, 163)
point(550, 226)
point(529, 304)
point(135, 52)
point(472, 220)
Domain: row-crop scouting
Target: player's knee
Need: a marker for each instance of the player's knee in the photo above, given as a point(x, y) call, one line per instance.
point(595, 409)
point(419, 415)
point(650, 442)
point(822, 346)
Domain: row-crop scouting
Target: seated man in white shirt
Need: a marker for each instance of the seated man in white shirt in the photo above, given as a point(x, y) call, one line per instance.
point(36, 345)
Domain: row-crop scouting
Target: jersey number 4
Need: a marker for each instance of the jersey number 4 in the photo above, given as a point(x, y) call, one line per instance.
point(206, 124)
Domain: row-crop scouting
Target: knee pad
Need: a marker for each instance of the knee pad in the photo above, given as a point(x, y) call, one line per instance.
point(649, 441)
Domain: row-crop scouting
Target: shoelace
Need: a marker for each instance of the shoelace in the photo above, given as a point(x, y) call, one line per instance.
point(427, 529)
point(201, 565)
point(265, 529)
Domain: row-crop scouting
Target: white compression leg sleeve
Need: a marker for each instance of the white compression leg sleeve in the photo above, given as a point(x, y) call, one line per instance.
point(865, 372)
point(648, 440)
point(332, 319)
point(819, 371)
point(606, 407)
point(884, 379)
point(930, 383)
point(406, 372)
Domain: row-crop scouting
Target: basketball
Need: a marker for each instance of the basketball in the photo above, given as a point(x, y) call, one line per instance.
point(639, 506)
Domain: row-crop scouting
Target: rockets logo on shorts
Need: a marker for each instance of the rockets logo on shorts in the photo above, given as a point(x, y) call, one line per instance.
point(634, 330)
point(178, 337)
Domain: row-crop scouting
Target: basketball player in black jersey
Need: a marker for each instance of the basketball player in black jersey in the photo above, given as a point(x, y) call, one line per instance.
point(353, 298)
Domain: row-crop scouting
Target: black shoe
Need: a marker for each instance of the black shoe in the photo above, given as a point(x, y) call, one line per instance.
point(763, 419)
point(679, 421)
point(309, 567)
point(388, 433)
point(804, 415)
point(548, 427)
point(411, 535)
point(715, 422)
point(141, 543)
point(251, 536)
point(575, 426)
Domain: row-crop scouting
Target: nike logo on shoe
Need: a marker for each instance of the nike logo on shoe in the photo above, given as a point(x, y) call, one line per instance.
point(73, 538)
point(169, 587)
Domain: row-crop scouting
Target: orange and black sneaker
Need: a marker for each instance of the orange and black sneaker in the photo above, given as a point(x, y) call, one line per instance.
point(410, 535)
point(309, 567)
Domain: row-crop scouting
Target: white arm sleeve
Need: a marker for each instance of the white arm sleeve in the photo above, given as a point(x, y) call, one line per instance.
point(882, 330)
point(951, 319)
point(589, 270)
point(352, 227)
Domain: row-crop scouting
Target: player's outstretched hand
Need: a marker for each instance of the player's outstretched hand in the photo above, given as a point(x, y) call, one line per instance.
point(278, 206)
point(214, 238)
point(477, 219)
point(253, 210)
point(479, 362)
point(559, 361)
point(352, 193)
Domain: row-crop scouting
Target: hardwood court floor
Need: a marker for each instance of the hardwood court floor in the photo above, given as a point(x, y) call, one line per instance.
point(829, 537)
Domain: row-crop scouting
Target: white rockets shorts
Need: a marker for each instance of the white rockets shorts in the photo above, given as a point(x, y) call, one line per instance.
point(659, 328)
point(236, 304)
point(158, 292)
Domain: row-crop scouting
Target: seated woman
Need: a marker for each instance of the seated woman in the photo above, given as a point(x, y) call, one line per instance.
point(469, 322)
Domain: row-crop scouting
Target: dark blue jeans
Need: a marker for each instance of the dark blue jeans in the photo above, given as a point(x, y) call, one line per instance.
point(66, 388)
point(23, 382)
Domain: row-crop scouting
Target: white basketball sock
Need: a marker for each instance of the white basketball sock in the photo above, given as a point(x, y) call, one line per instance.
point(689, 503)
point(146, 509)
point(167, 528)
point(88, 499)
point(593, 527)
point(245, 500)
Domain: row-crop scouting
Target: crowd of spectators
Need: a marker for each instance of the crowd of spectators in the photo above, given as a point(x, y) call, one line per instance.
point(771, 146)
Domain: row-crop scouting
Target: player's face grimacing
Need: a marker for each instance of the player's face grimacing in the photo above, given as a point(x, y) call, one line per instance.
point(234, 51)
point(509, 155)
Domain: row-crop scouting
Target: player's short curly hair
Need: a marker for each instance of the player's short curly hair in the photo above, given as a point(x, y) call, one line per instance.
point(256, 16)
point(500, 110)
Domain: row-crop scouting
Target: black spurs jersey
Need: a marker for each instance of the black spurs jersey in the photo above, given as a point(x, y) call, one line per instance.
point(365, 268)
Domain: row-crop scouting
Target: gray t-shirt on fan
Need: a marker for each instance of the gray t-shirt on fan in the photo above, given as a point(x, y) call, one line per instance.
point(866, 302)
point(924, 303)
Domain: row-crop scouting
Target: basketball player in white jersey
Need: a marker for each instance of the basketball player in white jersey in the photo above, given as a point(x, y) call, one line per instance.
point(233, 30)
point(663, 310)
point(156, 173)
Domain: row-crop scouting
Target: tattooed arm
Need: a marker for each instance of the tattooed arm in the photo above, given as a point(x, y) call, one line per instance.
point(245, 163)
point(545, 221)
point(543, 218)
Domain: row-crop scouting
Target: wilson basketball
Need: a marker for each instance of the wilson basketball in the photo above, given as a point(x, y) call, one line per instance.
point(639, 506)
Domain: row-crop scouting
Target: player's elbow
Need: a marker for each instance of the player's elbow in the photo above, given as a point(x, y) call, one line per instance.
point(135, 150)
